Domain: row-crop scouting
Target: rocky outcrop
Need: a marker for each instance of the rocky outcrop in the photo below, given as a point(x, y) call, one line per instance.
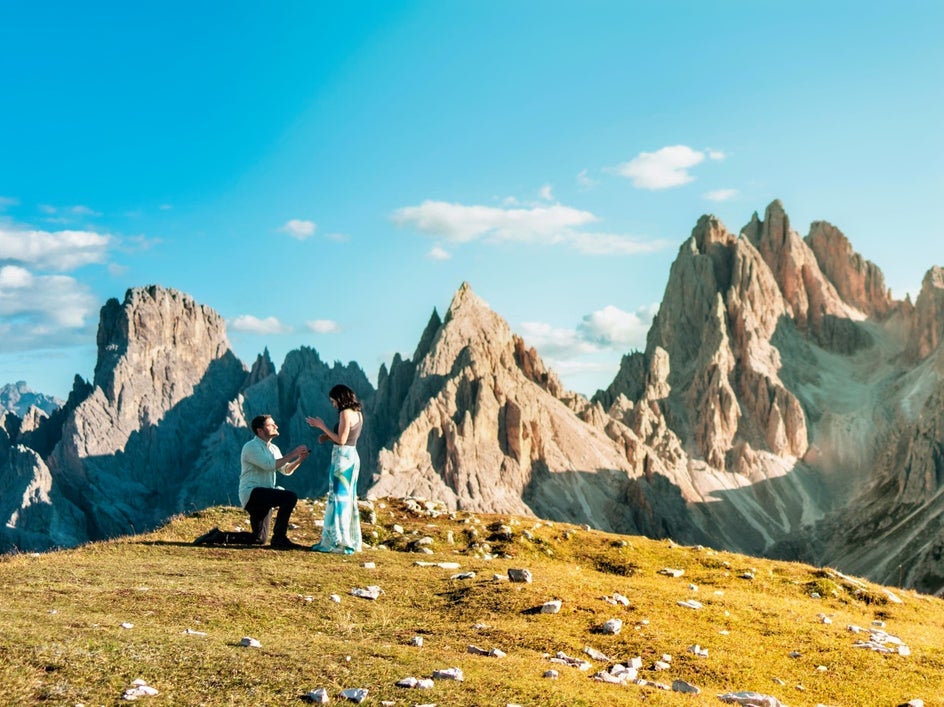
point(483, 427)
point(18, 398)
point(162, 381)
point(927, 322)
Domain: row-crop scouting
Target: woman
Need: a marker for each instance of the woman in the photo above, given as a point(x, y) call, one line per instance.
point(342, 524)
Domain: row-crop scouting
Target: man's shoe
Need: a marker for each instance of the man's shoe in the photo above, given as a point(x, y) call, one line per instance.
point(285, 544)
point(209, 537)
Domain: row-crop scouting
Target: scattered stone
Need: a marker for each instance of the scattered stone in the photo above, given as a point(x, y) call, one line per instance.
point(778, 681)
point(127, 625)
point(425, 684)
point(249, 642)
point(880, 641)
point(747, 575)
point(551, 674)
point(354, 694)
point(893, 598)
point(912, 703)
point(407, 682)
point(307, 598)
point(821, 668)
point(318, 697)
point(565, 659)
point(795, 654)
point(690, 604)
point(371, 592)
point(815, 595)
point(499, 578)
point(448, 674)
point(750, 699)
point(682, 686)
point(823, 619)
point(191, 632)
point(440, 565)
point(670, 572)
point(595, 654)
point(666, 657)
point(612, 627)
point(398, 529)
point(369, 565)
point(335, 598)
point(617, 599)
point(661, 665)
point(551, 607)
point(480, 627)
point(698, 650)
point(463, 575)
point(878, 624)
point(416, 641)
point(138, 688)
point(496, 653)
point(519, 575)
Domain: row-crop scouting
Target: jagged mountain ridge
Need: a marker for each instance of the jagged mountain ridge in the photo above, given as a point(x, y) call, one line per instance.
point(777, 371)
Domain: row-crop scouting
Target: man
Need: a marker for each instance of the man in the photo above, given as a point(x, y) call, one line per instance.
point(260, 460)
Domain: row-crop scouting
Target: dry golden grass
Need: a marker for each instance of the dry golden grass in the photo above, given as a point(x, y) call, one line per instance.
point(62, 641)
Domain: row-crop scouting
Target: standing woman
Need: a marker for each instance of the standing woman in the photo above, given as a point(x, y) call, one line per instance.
point(342, 523)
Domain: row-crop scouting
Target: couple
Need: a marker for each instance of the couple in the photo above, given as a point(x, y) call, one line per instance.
point(259, 495)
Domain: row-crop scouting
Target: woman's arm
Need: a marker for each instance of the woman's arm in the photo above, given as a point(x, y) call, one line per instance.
point(344, 426)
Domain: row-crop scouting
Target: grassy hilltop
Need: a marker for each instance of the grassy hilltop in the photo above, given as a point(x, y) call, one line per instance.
point(185, 610)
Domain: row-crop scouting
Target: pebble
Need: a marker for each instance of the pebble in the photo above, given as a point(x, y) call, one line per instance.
point(127, 625)
point(354, 694)
point(448, 674)
point(690, 604)
point(551, 607)
point(464, 575)
point(138, 688)
point(416, 641)
point(249, 642)
point(519, 575)
point(596, 655)
point(319, 696)
point(670, 572)
point(335, 598)
point(191, 632)
point(682, 686)
point(370, 592)
point(660, 665)
point(612, 627)
point(565, 659)
point(750, 699)
point(551, 674)
point(698, 650)
point(369, 565)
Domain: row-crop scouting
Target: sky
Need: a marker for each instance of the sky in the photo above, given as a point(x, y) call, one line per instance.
point(327, 174)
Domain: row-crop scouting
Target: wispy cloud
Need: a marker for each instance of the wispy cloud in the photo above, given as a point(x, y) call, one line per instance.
point(611, 327)
point(53, 250)
point(39, 311)
point(8, 201)
point(606, 331)
point(665, 168)
point(323, 326)
point(721, 194)
point(544, 225)
point(585, 181)
point(547, 192)
point(254, 325)
point(299, 228)
point(439, 253)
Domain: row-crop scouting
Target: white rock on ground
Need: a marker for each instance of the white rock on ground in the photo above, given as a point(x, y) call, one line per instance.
point(612, 627)
point(519, 575)
point(690, 604)
point(416, 641)
point(750, 699)
point(354, 694)
point(551, 607)
point(138, 688)
point(682, 686)
point(370, 592)
point(318, 696)
point(596, 655)
point(249, 642)
point(565, 659)
point(551, 674)
point(449, 674)
point(671, 572)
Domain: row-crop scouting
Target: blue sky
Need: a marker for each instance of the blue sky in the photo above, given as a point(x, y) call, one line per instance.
point(325, 174)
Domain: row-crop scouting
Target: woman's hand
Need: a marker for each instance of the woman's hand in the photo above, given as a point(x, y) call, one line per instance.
point(316, 422)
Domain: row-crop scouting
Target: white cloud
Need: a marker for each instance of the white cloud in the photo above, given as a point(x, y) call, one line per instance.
point(299, 228)
point(547, 193)
point(254, 325)
point(38, 306)
point(555, 342)
point(715, 154)
point(460, 224)
point(661, 169)
point(585, 181)
point(165, 207)
point(545, 225)
point(323, 326)
point(438, 253)
point(721, 194)
point(80, 210)
point(338, 237)
point(53, 250)
point(613, 244)
point(611, 327)
point(6, 201)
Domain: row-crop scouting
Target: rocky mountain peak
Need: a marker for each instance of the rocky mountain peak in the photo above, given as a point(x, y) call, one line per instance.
point(927, 323)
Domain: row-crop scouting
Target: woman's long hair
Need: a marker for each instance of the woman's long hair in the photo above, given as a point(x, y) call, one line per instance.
point(345, 398)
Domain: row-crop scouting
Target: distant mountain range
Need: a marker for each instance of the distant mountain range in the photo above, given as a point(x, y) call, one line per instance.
point(18, 399)
point(785, 405)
